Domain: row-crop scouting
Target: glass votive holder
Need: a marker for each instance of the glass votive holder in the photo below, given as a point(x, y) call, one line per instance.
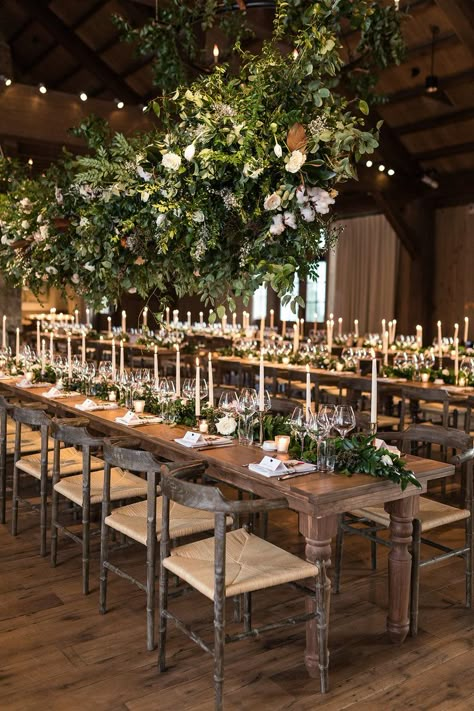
point(139, 406)
point(462, 381)
point(112, 396)
point(203, 427)
point(282, 443)
point(425, 377)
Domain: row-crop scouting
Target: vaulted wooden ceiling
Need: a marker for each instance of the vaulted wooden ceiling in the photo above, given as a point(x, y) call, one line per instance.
point(74, 46)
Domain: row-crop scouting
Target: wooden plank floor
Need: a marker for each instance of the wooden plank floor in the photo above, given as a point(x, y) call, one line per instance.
point(58, 653)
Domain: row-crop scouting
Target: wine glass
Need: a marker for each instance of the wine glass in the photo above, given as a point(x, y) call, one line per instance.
point(344, 419)
point(317, 428)
point(188, 389)
point(247, 407)
point(298, 423)
point(228, 401)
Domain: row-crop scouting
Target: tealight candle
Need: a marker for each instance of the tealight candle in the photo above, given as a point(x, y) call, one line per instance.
point(282, 443)
point(139, 406)
point(203, 427)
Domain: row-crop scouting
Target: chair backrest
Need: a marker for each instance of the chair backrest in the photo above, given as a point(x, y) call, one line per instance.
point(468, 423)
point(31, 416)
point(74, 430)
point(414, 394)
point(125, 452)
point(5, 405)
point(426, 435)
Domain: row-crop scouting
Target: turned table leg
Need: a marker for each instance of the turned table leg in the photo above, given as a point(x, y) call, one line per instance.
point(318, 533)
point(402, 512)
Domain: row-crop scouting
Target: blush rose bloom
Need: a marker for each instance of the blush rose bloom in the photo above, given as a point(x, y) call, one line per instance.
point(272, 202)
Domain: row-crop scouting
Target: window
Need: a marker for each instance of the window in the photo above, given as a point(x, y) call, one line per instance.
point(286, 313)
point(316, 295)
point(259, 303)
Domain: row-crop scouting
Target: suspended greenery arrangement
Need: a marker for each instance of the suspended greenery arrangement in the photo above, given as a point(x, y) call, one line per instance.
point(237, 188)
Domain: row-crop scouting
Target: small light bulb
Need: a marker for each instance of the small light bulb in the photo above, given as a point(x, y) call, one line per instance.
point(381, 167)
point(144, 108)
point(391, 171)
point(42, 88)
point(30, 161)
point(369, 164)
point(83, 96)
point(120, 104)
point(215, 51)
point(8, 82)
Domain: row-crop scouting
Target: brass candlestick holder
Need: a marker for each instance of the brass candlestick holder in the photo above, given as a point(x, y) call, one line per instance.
point(261, 415)
point(373, 428)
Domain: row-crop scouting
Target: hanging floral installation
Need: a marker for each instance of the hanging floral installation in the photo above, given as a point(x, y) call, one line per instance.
point(236, 188)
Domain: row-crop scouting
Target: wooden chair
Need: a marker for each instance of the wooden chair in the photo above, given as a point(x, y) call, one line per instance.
point(358, 391)
point(141, 521)
point(432, 514)
point(85, 489)
point(38, 465)
point(426, 400)
point(469, 418)
point(229, 564)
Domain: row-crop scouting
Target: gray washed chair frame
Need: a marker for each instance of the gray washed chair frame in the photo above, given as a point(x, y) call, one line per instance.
point(446, 438)
point(5, 408)
point(414, 395)
point(73, 432)
point(209, 498)
point(125, 453)
point(36, 418)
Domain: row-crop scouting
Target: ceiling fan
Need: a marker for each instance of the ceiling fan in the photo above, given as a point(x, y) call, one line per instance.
point(432, 88)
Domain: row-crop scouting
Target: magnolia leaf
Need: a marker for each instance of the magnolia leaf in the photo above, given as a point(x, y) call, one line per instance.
point(363, 107)
point(296, 138)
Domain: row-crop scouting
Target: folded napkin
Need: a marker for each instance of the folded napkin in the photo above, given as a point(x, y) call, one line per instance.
point(91, 406)
point(390, 447)
point(271, 466)
point(25, 383)
point(131, 419)
point(55, 392)
point(196, 439)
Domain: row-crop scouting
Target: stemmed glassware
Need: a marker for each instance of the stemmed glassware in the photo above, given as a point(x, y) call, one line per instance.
point(247, 407)
point(298, 425)
point(317, 428)
point(344, 419)
point(228, 402)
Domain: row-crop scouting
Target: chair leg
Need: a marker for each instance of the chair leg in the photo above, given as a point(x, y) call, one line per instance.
point(247, 612)
point(373, 555)
point(415, 578)
point(54, 529)
point(469, 562)
point(323, 601)
point(150, 594)
point(85, 546)
point(43, 513)
point(104, 554)
point(163, 607)
point(3, 486)
point(15, 487)
point(219, 642)
point(339, 552)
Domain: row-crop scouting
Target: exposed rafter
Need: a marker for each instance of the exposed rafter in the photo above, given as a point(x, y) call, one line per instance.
point(460, 13)
point(80, 50)
point(447, 82)
point(445, 151)
point(434, 122)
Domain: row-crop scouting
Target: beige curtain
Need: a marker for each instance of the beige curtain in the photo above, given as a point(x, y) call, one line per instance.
point(364, 272)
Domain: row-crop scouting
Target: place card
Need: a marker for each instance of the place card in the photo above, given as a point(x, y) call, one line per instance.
point(196, 439)
point(270, 466)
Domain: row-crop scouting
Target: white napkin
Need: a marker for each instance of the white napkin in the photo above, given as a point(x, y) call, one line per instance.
point(196, 439)
point(55, 392)
point(89, 406)
point(133, 420)
point(271, 466)
point(390, 447)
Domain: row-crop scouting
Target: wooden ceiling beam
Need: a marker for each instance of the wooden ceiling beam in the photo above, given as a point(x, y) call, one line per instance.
point(434, 122)
point(50, 116)
point(80, 50)
point(460, 14)
point(445, 151)
point(445, 82)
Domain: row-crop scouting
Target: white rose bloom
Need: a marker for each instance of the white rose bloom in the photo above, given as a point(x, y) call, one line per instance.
point(25, 224)
point(308, 214)
point(386, 460)
point(132, 290)
point(272, 202)
point(226, 425)
point(172, 161)
point(160, 219)
point(75, 278)
point(51, 270)
point(42, 234)
point(289, 219)
point(189, 151)
point(25, 203)
point(39, 219)
point(277, 226)
point(295, 162)
point(277, 149)
point(59, 196)
point(142, 173)
point(145, 196)
point(89, 267)
point(198, 216)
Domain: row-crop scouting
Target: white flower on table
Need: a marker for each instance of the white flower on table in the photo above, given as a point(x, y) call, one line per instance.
point(25, 224)
point(272, 202)
point(198, 216)
point(386, 460)
point(226, 425)
point(296, 160)
point(190, 151)
point(171, 161)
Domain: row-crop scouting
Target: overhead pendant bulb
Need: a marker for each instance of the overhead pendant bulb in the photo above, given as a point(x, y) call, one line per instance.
point(431, 81)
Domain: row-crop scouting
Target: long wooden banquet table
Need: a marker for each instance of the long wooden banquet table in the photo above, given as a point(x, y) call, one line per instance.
point(317, 498)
